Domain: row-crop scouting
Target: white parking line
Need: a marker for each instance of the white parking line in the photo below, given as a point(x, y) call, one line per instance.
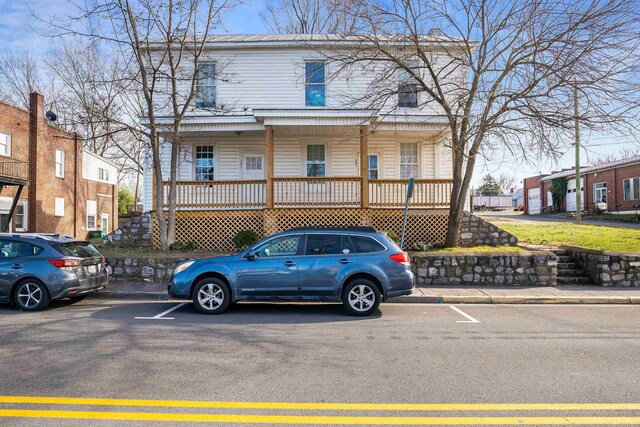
point(159, 316)
point(471, 319)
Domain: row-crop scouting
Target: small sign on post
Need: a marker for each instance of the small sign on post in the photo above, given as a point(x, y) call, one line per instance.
point(406, 210)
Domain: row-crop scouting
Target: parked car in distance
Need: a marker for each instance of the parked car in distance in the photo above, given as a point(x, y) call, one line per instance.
point(519, 208)
point(37, 268)
point(357, 266)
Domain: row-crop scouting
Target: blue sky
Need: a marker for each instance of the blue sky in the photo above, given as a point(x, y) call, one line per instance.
point(20, 31)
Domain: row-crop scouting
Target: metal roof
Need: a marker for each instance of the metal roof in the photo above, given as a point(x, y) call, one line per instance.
point(594, 168)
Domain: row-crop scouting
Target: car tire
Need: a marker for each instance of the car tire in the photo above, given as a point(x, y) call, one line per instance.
point(361, 297)
point(31, 295)
point(211, 296)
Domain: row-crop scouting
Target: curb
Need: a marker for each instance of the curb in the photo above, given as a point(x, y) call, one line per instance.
point(514, 300)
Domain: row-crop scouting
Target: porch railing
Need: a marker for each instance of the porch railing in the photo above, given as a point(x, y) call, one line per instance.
point(317, 192)
point(427, 193)
point(218, 194)
point(291, 192)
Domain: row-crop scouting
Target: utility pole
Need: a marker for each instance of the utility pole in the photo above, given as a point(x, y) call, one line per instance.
point(577, 135)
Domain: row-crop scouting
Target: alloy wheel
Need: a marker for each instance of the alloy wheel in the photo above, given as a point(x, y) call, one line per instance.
point(210, 296)
point(29, 295)
point(362, 298)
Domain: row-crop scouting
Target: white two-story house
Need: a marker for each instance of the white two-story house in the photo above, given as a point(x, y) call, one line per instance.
point(281, 136)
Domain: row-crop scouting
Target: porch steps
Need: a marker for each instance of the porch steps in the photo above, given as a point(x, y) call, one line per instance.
point(569, 271)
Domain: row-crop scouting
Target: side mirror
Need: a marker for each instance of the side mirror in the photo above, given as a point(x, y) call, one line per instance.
point(251, 255)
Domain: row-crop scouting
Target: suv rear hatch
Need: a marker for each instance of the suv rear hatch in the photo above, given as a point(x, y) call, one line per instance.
point(90, 262)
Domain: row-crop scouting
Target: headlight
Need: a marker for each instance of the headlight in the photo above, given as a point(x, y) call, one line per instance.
point(182, 267)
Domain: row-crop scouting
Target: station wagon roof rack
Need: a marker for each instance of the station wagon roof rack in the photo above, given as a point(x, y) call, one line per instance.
point(364, 229)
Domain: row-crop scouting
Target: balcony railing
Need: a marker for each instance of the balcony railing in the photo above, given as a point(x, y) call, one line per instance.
point(14, 169)
point(306, 192)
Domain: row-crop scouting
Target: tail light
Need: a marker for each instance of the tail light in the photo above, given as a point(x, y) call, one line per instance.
point(66, 263)
point(402, 258)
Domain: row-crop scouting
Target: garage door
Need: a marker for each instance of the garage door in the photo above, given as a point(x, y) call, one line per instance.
point(534, 204)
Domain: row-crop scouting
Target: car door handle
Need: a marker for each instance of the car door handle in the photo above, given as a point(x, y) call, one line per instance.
point(16, 266)
point(344, 261)
point(289, 263)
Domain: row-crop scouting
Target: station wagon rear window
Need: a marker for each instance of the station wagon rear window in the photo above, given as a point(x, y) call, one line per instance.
point(79, 249)
point(365, 244)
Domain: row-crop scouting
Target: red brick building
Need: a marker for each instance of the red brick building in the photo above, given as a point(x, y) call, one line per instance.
point(613, 186)
point(49, 182)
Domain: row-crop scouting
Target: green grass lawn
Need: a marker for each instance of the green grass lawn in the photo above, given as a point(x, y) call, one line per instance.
point(562, 233)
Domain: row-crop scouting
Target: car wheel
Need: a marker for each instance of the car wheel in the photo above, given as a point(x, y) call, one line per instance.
point(211, 296)
point(361, 297)
point(31, 295)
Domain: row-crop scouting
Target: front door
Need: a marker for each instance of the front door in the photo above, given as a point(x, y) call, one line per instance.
point(324, 264)
point(273, 272)
point(253, 166)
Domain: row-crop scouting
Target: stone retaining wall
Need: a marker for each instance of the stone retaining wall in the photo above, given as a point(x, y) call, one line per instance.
point(608, 268)
point(134, 234)
point(141, 267)
point(496, 269)
point(475, 231)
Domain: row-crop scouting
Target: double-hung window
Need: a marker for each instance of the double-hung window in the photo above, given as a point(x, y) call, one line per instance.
point(314, 84)
point(407, 88)
point(20, 216)
point(103, 174)
point(60, 163)
point(408, 160)
point(631, 188)
point(316, 164)
point(204, 163)
point(92, 213)
point(5, 144)
point(206, 85)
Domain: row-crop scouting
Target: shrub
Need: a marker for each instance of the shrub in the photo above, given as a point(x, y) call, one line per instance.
point(184, 247)
point(245, 238)
point(393, 236)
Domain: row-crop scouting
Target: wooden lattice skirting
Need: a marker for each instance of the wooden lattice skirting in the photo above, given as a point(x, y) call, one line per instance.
point(214, 230)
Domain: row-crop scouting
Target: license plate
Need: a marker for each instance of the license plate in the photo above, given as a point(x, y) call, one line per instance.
point(92, 269)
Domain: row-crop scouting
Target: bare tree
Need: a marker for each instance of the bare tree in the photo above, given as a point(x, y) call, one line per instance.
point(313, 17)
point(506, 182)
point(503, 74)
point(162, 43)
point(625, 153)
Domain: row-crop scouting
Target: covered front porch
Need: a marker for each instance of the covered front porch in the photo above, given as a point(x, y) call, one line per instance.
point(338, 161)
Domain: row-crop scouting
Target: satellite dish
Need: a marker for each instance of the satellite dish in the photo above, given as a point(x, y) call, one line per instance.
point(51, 116)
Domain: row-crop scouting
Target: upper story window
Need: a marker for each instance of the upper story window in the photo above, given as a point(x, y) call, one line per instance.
point(206, 85)
point(60, 163)
point(314, 84)
point(204, 163)
point(631, 188)
point(408, 160)
point(316, 164)
point(5, 144)
point(407, 87)
point(103, 174)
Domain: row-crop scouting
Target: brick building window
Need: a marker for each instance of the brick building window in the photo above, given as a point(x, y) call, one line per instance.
point(5, 144)
point(60, 163)
point(20, 216)
point(59, 206)
point(92, 213)
point(631, 188)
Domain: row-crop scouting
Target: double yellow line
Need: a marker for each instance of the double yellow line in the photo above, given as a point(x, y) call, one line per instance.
point(316, 419)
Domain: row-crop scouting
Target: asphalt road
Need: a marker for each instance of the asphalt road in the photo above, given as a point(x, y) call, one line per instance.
point(412, 364)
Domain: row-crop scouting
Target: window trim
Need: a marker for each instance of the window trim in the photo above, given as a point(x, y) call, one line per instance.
point(369, 166)
point(25, 216)
point(102, 172)
point(418, 155)
point(632, 195)
point(326, 161)
point(55, 207)
point(194, 161)
point(606, 191)
point(406, 80)
point(9, 143)
point(94, 215)
point(62, 165)
point(102, 218)
point(206, 103)
point(304, 91)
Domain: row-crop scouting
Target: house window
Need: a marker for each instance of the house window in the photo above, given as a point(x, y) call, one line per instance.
point(5, 144)
point(600, 192)
point(316, 165)
point(373, 166)
point(105, 223)
point(204, 163)
point(407, 89)
point(631, 188)
point(408, 160)
point(92, 209)
point(60, 163)
point(206, 85)
point(103, 174)
point(20, 216)
point(314, 87)
point(59, 206)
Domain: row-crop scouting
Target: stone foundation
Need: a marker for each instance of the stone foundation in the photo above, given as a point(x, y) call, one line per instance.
point(608, 268)
point(538, 268)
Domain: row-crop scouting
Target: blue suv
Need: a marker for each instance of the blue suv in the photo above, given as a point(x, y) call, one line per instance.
point(356, 265)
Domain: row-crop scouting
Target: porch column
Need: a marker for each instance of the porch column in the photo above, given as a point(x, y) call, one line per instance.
point(364, 165)
point(268, 155)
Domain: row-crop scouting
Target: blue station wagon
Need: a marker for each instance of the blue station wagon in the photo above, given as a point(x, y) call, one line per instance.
point(357, 266)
